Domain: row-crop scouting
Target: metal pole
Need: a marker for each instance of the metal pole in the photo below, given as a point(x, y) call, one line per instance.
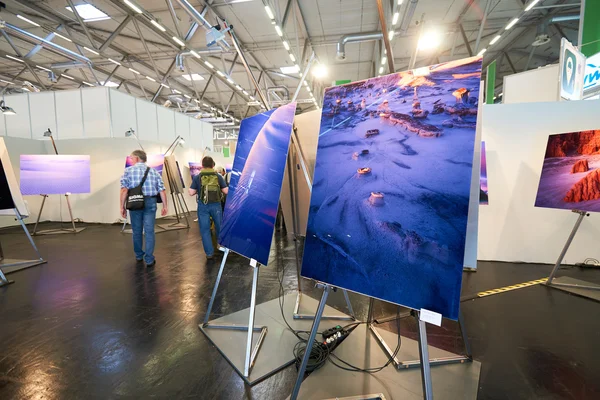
point(39, 214)
point(309, 343)
point(386, 38)
point(70, 213)
point(54, 144)
point(463, 332)
point(482, 26)
point(251, 322)
point(214, 292)
point(564, 250)
point(424, 354)
point(348, 304)
point(370, 312)
point(20, 218)
point(304, 74)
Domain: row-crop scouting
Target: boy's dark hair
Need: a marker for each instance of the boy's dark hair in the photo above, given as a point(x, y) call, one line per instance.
point(208, 162)
point(141, 154)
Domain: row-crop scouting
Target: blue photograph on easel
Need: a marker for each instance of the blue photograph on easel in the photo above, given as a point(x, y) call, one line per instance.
point(256, 180)
point(389, 205)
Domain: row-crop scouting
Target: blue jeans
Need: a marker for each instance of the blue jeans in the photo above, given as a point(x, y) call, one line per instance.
point(142, 222)
point(205, 212)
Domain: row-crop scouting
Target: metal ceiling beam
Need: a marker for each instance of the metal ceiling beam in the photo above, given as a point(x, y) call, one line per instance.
point(486, 11)
point(38, 47)
point(26, 62)
point(139, 31)
point(174, 17)
point(465, 40)
point(286, 13)
point(81, 23)
point(512, 66)
point(115, 33)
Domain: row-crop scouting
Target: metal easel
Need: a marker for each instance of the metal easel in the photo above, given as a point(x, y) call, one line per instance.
point(19, 264)
point(251, 352)
point(74, 229)
point(181, 211)
point(424, 362)
point(550, 282)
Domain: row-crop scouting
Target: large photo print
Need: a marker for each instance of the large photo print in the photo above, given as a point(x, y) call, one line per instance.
point(570, 177)
point(256, 179)
point(389, 205)
point(55, 174)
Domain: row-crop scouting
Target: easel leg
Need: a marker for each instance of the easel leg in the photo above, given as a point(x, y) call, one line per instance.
point(463, 332)
point(424, 355)
point(70, 213)
point(247, 363)
point(20, 218)
point(37, 221)
point(567, 245)
point(309, 343)
point(215, 289)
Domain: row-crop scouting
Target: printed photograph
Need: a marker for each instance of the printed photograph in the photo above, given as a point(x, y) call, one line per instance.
point(483, 185)
point(195, 168)
point(390, 198)
point(155, 161)
point(255, 185)
point(54, 174)
point(570, 177)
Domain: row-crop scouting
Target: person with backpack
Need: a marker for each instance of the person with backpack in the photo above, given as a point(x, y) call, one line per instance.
point(140, 186)
point(209, 187)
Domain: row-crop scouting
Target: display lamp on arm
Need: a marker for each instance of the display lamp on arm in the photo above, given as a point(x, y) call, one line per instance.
point(131, 133)
point(6, 110)
point(48, 133)
point(179, 141)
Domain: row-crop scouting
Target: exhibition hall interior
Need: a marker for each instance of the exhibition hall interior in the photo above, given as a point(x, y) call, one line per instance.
point(299, 199)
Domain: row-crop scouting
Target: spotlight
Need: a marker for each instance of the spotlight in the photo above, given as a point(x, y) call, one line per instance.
point(429, 40)
point(319, 71)
point(48, 133)
point(52, 77)
point(128, 133)
point(6, 110)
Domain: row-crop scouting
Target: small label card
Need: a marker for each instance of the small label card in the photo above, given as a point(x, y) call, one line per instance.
point(431, 317)
point(252, 262)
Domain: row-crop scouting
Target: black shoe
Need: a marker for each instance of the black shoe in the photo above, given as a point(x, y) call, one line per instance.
point(139, 260)
point(211, 257)
point(151, 265)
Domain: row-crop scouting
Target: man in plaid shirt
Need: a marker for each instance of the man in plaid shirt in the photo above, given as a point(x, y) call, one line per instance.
point(142, 221)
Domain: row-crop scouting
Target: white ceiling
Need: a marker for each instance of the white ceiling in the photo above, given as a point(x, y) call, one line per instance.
point(311, 25)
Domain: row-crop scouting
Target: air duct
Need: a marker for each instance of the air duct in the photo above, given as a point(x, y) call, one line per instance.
point(407, 17)
point(357, 37)
point(31, 38)
point(278, 89)
point(68, 65)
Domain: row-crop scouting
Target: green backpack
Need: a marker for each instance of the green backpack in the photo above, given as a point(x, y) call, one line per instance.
point(210, 191)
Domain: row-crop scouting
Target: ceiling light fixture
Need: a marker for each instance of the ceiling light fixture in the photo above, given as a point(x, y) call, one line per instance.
point(9, 82)
point(89, 13)
point(269, 12)
point(67, 76)
point(132, 6)
point(194, 77)
point(192, 52)
point(381, 69)
point(495, 39)
point(87, 83)
point(134, 71)
point(114, 62)
point(178, 41)
point(511, 23)
point(165, 86)
point(209, 65)
point(292, 57)
point(91, 50)
point(62, 37)
point(45, 69)
point(246, 93)
point(531, 5)
point(391, 35)
point(395, 19)
point(221, 73)
point(481, 52)
point(27, 20)
point(278, 30)
point(383, 59)
point(319, 71)
point(176, 91)
point(110, 84)
point(429, 40)
point(289, 70)
point(159, 26)
point(150, 78)
point(15, 58)
point(230, 81)
point(286, 45)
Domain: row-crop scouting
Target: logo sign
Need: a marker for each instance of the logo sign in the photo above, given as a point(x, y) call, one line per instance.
point(572, 64)
point(591, 80)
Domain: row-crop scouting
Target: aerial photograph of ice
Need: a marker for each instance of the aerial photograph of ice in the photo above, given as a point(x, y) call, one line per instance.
point(155, 161)
point(54, 174)
point(256, 179)
point(390, 198)
point(570, 176)
point(483, 185)
point(195, 168)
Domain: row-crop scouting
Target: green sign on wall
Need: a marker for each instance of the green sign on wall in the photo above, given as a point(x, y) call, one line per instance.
point(225, 152)
point(341, 82)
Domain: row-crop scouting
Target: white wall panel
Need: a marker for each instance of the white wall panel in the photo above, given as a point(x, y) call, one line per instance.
point(122, 111)
point(18, 125)
point(510, 227)
point(196, 127)
point(69, 114)
point(537, 85)
point(147, 120)
point(166, 125)
point(207, 136)
point(96, 112)
point(182, 126)
point(43, 113)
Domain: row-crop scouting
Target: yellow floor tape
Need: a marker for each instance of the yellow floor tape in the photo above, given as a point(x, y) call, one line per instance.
point(512, 287)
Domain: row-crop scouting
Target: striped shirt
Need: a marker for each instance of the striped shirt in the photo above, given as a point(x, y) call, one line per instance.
point(133, 177)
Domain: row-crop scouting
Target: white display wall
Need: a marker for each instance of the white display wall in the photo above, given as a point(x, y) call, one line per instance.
point(93, 121)
point(510, 227)
point(532, 86)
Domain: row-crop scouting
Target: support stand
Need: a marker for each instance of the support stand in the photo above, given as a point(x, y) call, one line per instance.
point(417, 363)
point(423, 349)
point(177, 198)
point(17, 265)
point(74, 229)
point(251, 352)
point(572, 286)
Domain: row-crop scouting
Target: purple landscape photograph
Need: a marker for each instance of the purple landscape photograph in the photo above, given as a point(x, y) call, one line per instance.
point(483, 184)
point(392, 181)
point(55, 174)
point(156, 161)
point(570, 177)
point(195, 168)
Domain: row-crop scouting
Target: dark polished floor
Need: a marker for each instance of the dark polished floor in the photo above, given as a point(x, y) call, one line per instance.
point(91, 324)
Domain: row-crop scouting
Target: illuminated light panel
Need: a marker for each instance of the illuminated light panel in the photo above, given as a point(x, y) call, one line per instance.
point(91, 50)
point(192, 52)
point(178, 41)
point(15, 58)
point(269, 12)
point(150, 78)
point(132, 6)
point(134, 71)
point(531, 5)
point(512, 23)
point(89, 13)
point(209, 65)
point(63, 37)
point(292, 57)
point(194, 77)
point(286, 45)
point(27, 20)
point(495, 39)
point(67, 76)
point(278, 30)
point(159, 26)
point(114, 62)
